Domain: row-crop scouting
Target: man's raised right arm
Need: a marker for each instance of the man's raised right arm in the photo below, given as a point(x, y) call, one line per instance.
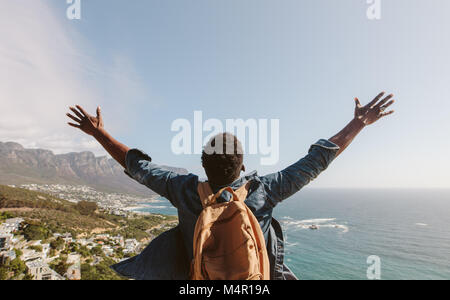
point(93, 126)
point(137, 164)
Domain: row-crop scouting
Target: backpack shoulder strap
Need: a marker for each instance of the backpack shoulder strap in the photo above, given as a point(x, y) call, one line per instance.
point(208, 198)
point(242, 192)
point(206, 194)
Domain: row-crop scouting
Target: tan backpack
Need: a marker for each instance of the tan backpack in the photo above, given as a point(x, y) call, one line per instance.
point(228, 240)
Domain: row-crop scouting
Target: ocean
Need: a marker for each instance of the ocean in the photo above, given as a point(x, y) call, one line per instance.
point(409, 230)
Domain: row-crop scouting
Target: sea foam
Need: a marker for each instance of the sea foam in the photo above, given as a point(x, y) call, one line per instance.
point(291, 224)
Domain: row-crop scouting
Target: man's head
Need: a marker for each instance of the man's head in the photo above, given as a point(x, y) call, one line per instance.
point(222, 159)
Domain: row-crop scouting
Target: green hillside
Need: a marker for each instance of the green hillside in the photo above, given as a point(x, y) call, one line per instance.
point(20, 198)
point(98, 238)
point(59, 216)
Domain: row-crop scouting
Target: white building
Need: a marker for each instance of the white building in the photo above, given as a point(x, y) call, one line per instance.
point(118, 240)
point(96, 260)
point(7, 256)
point(41, 271)
point(131, 246)
point(104, 237)
point(5, 241)
point(67, 237)
point(46, 249)
point(119, 213)
point(31, 255)
point(74, 271)
point(108, 250)
point(12, 225)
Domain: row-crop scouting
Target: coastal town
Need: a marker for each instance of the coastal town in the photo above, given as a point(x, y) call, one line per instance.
point(39, 256)
point(118, 204)
point(30, 250)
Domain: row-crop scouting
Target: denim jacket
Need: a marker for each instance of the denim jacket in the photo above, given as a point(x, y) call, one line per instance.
point(169, 255)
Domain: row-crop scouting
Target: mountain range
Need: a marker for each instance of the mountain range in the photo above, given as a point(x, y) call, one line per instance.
point(25, 166)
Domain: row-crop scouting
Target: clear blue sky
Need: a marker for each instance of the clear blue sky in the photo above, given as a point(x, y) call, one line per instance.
point(148, 63)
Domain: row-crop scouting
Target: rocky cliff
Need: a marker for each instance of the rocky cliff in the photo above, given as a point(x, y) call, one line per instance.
point(19, 166)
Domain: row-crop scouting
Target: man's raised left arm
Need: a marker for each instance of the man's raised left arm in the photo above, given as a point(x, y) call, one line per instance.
point(287, 182)
point(364, 116)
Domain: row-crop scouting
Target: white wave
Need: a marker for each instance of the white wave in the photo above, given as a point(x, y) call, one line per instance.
point(308, 222)
point(344, 228)
point(152, 201)
point(157, 201)
point(290, 244)
point(317, 221)
point(156, 207)
point(421, 224)
point(289, 223)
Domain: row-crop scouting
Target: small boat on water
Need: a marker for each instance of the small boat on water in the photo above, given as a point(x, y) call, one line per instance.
point(313, 227)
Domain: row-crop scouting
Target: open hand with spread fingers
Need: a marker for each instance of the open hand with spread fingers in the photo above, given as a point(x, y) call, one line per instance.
point(84, 121)
point(375, 110)
point(93, 125)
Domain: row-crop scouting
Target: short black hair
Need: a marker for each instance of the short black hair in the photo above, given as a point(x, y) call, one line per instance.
point(223, 165)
